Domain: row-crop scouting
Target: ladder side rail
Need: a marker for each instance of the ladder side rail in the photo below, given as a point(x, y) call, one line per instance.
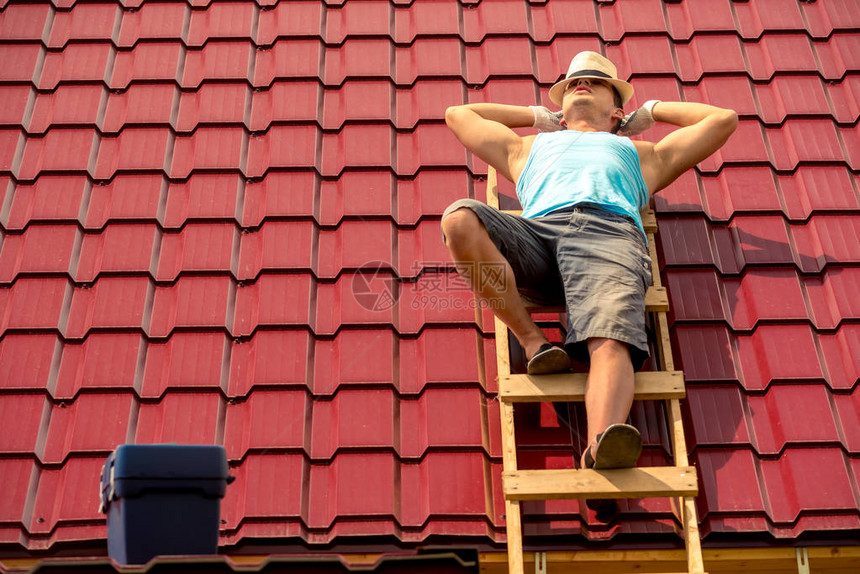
point(513, 520)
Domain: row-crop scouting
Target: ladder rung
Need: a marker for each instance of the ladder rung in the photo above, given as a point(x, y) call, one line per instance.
point(640, 482)
point(649, 220)
point(656, 300)
point(566, 387)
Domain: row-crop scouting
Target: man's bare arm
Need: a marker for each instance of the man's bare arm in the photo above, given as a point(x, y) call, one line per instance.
point(704, 129)
point(485, 130)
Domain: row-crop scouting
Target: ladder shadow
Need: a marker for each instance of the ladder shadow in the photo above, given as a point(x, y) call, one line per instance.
point(723, 427)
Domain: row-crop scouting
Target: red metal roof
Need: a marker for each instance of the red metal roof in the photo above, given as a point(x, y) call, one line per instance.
point(208, 208)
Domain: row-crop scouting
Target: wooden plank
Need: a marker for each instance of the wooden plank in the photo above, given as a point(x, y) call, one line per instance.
point(564, 387)
point(683, 507)
point(664, 344)
point(492, 187)
point(695, 564)
point(823, 559)
point(513, 522)
point(640, 482)
point(656, 300)
point(676, 427)
point(655, 263)
point(679, 449)
point(649, 220)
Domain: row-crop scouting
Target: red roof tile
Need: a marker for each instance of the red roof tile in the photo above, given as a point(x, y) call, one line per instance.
point(290, 19)
point(53, 508)
point(21, 417)
point(204, 196)
point(217, 215)
point(119, 248)
point(840, 352)
point(68, 104)
point(270, 358)
point(15, 98)
point(278, 195)
point(424, 18)
point(60, 149)
point(807, 407)
point(34, 303)
point(89, 309)
point(43, 249)
point(277, 245)
point(280, 147)
point(338, 361)
point(15, 479)
point(85, 22)
point(732, 427)
point(688, 18)
point(263, 302)
point(147, 62)
point(182, 418)
point(21, 61)
point(551, 19)
point(350, 20)
point(639, 16)
point(197, 247)
point(221, 21)
point(78, 63)
point(506, 17)
point(132, 149)
point(150, 22)
point(184, 361)
point(218, 61)
point(809, 478)
point(26, 360)
point(126, 197)
point(268, 486)
point(192, 301)
point(725, 477)
point(248, 423)
point(352, 102)
point(25, 22)
point(82, 365)
point(91, 424)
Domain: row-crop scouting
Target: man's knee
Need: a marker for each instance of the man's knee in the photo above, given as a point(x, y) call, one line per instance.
point(461, 226)
point(601, 348)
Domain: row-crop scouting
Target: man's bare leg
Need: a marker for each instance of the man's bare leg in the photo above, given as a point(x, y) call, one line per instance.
point(609, 388)
point(469, 244)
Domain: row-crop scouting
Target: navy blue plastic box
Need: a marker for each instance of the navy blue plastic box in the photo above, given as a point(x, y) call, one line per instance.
point(163, 499)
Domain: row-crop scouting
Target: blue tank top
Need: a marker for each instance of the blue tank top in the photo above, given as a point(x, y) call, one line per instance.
point(566, 168)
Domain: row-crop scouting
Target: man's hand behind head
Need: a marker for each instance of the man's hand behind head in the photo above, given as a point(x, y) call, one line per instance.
point(639, 121)
point(545, 120)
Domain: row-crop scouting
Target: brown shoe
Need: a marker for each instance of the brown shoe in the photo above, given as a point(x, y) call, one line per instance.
point(549, 359)
point(619, 446)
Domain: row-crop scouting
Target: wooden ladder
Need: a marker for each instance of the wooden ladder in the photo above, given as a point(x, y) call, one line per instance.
point(678, 482)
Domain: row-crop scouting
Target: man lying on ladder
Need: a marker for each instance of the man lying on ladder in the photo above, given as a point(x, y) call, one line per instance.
point(580, 238)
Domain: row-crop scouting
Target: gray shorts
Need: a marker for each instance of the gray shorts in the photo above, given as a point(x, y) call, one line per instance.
point(593, 261)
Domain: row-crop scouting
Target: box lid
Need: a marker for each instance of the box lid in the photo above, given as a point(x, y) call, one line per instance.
point(169, 461)
point(133, 469)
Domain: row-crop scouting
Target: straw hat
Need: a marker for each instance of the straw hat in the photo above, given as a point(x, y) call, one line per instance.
point(591, 65)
